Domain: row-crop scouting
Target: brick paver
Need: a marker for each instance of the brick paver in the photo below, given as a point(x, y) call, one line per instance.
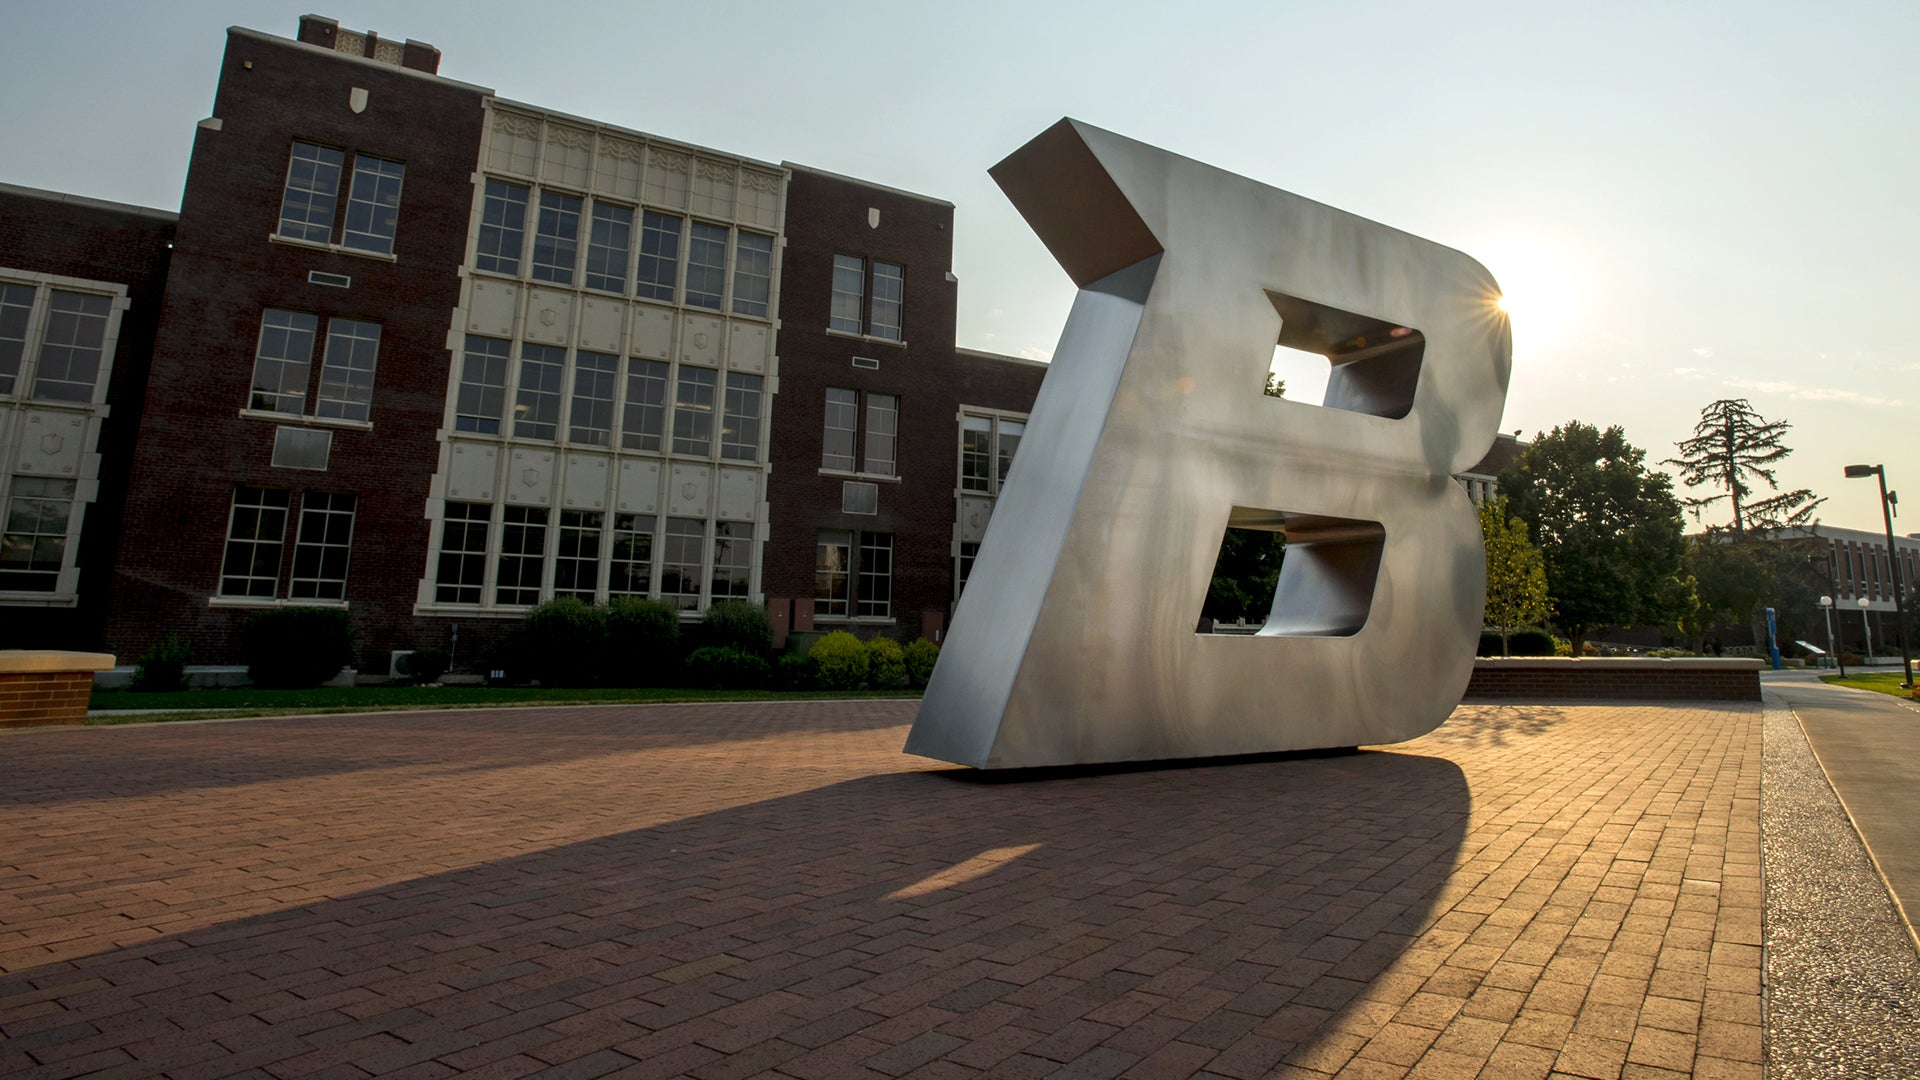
point(722, 891)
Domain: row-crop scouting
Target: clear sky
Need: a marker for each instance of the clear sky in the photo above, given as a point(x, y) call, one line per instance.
point(1684, 201)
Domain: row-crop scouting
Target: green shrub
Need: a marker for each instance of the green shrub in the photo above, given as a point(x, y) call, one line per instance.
point(163, 667)
point(727, 669)
point(839, 662)
point(425, 665)
point(886, 666)
point(1528, 643)
point(294, 648)
point(1489, 645)
point(920, 655)
point(565, 642)
point(643, 643)
point(794, 671)
point(736, 624)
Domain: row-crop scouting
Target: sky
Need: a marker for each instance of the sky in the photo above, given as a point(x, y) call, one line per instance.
point(1682, 201)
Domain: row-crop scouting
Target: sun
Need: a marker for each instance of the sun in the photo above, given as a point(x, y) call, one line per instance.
point(1538, 291)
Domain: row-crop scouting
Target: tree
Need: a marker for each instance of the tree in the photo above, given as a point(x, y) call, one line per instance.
point(1516, 573)
point(1733, 447)
point(1738, 577)
point(1245, 576)
point(1609, 530)
point(1276, 386)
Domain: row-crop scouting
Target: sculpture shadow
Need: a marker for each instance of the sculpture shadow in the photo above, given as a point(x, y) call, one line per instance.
point(852, 918)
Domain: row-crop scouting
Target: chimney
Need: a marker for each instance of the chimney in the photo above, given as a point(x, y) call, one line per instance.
point(326, 33)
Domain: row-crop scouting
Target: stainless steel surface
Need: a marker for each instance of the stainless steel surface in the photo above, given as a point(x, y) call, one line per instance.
point(1075, 642)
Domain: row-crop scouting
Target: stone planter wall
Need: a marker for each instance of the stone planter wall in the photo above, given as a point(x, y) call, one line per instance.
point(43, 688)
point(1679, 679)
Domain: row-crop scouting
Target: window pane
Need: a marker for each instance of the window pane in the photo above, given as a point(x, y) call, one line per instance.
point(282, 361)
point(556, 243)
point(849, 289)
point(732, 559)
point(831, 560)
point(312, 192)
point(536, 408)
point(483, 385)
point(876, 575)
point(373, 204)
point(680, 559)
point(1010, 432)
point(659, 255)
point(591, 420)
point(740, 425)
point(463, 553)
point(33, 547)
point(70, 349)
point(752, 273)
point(645, 419)
point(888, 291)
point(503, 228)
point(608, 242)
point(976, 454)
point(346, 374)
point(321, 548)
point(576, 566)
point(968, 552)
point(843, 413)
point(693, 412)
point(706, 265)
point(523, 545)
point(255, 531)
point(883, 419)
point(16, 305)
point(632, 568)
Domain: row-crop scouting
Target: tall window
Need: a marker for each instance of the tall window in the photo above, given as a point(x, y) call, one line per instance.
point(889, 293)
point(842, 421)
point(849, 293)
point(33, 547)
point(256, 529)
point(868, 297)
point(643, 423)
point(659, 255)
point(832, 568)
point(740, 425)
point(706, 265)
point(283, 361)
point(631, 569)
point(1006, 441)
point(463, 553)
point(853, 574)
point(523, 544)
point(346, 374)
point(483, 385)
point(693, 412)
point(321, 547)
point(72, 346)
point(373, 204)
point(16, 311)
point(576, 565)
point(883, 425)
point(680, 559)
point(556, 242)
point(503, 228)
point(876, 576)
point(609, 239)
point(732, 560)
point(536, 408)
point(591, 420)
point(752, 273)
point(842, 446)
point(312, 193)
point(987, 445)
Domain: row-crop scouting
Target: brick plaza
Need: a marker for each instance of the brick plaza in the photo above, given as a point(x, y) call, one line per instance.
point(773, 889)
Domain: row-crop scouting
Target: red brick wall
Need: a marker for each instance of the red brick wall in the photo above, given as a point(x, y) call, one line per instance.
point(36, 699)
point(195, 448)
point(1718, 680)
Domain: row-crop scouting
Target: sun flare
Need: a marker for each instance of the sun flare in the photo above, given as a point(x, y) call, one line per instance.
point(1538, 292)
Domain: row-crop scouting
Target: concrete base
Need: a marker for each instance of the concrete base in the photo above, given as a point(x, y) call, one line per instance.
point(42, 687)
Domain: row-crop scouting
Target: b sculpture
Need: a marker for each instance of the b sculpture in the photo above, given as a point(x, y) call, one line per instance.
point(1075, 642)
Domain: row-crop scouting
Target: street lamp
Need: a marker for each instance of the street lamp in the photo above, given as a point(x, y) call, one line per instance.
point(1826, 605)
point(1868, 627)
point(1889, 500)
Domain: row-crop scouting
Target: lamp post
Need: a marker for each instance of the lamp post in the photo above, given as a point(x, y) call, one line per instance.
point(1868, 627)
point(1889, 500)
point(1826, 606)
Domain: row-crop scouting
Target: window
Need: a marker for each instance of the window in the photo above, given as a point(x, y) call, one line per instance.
point(881, 307)
point(321, 547)
point(843, 419)
point(523, 545)
point(732, 560)
point(693, 412)
point(503, 228)
point(876, 575)
point(576, 566)
point(706, 265)
point(594, 376)
point(883, 420)
point(33, 548)
point(740, 424)
point(312, 193)
point(556, 241)
point(71, 348)
point(536, 408)
point(608, 240)
point(987, 445)
point(373, 204)
point(833, 559)
point(463, 553)
point(632, 567)
point(842, 587)
point(680, 560)
point(283, 361)
point(659, 255)
point(346, 374)
point(752, 273)
point(1007, 442)
point(968, 552)
point(483, 386)
point(16, 310)
point(645, 419)
point(255, 531)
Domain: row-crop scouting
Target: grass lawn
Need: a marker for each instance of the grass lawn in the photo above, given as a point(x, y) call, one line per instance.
point(1885, 682)
point(200, 704)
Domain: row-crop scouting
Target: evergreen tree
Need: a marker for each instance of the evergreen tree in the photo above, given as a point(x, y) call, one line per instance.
point(1733, 448)
point(1516, 573)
